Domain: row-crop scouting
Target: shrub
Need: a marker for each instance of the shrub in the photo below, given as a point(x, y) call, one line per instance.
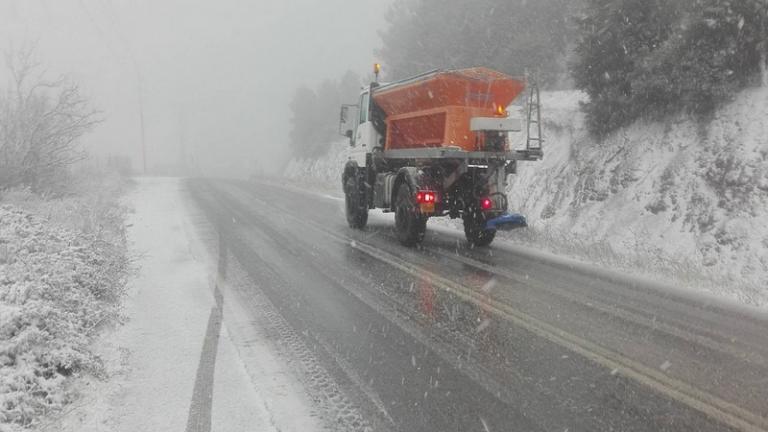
point(61, 279)
point(41, 121)
point(638, 58)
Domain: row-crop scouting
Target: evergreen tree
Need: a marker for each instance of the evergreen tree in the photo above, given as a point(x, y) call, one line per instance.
point(303, 108)
point(716, 53)
point(616, 38)
point(645, 59)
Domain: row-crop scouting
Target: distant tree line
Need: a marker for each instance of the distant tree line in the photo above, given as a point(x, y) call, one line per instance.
point(315, 114)
point(649, 58)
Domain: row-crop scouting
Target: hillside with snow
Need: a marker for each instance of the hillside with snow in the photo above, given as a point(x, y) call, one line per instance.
point(685, 199)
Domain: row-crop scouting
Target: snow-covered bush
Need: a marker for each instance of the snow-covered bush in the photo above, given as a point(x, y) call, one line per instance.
point(63, 268)
point(325, 170)
point(41, 122)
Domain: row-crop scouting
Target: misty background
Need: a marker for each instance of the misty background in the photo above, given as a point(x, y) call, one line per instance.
point(215, 78)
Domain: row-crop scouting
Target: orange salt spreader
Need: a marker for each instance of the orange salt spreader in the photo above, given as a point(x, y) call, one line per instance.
point(436, 109)
point(435, 145)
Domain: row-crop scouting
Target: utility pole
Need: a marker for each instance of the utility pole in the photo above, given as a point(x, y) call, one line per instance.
point(182, 125)
point(141, 117)
point(140, 97)
point(139, 85)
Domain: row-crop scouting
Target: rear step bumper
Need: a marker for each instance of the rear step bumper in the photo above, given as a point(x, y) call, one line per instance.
point(507, 221)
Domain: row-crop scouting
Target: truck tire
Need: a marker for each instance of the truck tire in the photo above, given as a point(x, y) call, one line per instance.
point(356, 205)
point(474, 230)
point(410, 224)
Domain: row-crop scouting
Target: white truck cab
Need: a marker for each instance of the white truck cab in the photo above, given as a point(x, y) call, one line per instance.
point(364, 137)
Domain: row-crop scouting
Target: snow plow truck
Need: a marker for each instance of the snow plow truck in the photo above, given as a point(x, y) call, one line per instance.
point(437, 144)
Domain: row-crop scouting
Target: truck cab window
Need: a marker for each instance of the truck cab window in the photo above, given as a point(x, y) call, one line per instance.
point(364, 107)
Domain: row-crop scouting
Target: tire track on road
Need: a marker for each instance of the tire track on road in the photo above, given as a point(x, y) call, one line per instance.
point(345, 412)
point(200, 408)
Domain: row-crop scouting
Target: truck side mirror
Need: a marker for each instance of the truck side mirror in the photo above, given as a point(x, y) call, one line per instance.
point(348, 134)
point(343, 119)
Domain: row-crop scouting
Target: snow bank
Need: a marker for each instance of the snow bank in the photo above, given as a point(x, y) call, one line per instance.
point(59, 284)
point(684, 199)
point(324, 172)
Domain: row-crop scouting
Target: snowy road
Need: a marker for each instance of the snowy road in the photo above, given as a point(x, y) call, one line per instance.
point(443, 338)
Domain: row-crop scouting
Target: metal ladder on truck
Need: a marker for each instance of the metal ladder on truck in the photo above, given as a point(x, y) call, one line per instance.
point(534, 142)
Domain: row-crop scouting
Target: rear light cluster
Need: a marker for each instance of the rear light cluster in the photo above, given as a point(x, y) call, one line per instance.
point(426, 197)
point(486, 204)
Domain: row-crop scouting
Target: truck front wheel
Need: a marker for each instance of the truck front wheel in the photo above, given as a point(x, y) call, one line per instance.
point(474, 230)
point(356, 205)
point(410, 224)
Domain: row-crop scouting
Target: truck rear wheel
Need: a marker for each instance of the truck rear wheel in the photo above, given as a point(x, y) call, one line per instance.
point(356, 205)
point(410, 224)
point(474, 230)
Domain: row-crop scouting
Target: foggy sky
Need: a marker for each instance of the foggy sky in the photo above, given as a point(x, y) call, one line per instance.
point(216, 76)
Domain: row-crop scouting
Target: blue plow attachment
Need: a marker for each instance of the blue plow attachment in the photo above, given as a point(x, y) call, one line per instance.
point(507, 221)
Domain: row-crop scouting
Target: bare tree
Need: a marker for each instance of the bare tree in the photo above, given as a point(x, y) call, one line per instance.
point(41, 121)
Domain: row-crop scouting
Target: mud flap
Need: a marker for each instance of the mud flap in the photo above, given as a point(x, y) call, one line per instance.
point(507, 221)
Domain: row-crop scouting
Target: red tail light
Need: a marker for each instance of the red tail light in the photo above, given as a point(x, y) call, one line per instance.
point(486, 204)
point(425, 197)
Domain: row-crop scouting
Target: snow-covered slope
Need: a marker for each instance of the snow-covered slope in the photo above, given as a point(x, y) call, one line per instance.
point(325, 171)
point(685, 198)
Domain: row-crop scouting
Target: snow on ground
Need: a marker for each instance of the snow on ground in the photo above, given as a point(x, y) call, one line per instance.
point(63, 267)
point(684, 200)
point(325, 172)
point(156, 360)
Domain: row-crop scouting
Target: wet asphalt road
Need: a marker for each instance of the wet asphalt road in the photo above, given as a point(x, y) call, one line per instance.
point(446, 338)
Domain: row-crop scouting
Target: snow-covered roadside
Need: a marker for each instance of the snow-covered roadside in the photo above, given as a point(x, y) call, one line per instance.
point(155, 360)
point(63, 268)
point(682, 202)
